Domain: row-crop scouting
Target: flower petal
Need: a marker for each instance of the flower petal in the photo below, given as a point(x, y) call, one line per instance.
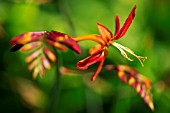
point(33, 55)
point(96, 57)
point(49, 54)
point(94, 49)
point(57, 45)
point(35, 72)
point(93, 37)
point(126, 25)
point(41, 71)
point(105, 33)
point(16, 47)
point(117, 21)
point(33, 64)
point(122, 76)
point(30, 46)
point(27, 37)
point(132, 81)
point(45, 62)
point(64, 39)
point(98, 69)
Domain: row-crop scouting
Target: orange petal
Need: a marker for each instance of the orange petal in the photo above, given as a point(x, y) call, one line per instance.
point(104, 32)
point(30, 46)
point(131, 81)
point(49, 54)
point(92, 37)
point(94, 49)
point(138, 87)
point(46, 63)
point(33, 55)
point(146, 81)
point(33, 64)
point(122, 76)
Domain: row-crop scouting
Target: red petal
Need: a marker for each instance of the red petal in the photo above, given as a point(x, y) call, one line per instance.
point(64, 39)
point(56, 45)
point(117, 21)
point(96, 57)
point(98, 69)
point(26, 37)
point(126, 25)
point(104, 32)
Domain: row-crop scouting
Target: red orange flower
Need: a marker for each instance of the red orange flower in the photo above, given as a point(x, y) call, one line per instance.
point(105, 39)
point(140, 83)
point(136, 81)
point(37, 42)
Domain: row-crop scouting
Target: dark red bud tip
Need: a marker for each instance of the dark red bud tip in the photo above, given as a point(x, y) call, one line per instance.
point(16, 47)
point(93, 78)
point(134, 7)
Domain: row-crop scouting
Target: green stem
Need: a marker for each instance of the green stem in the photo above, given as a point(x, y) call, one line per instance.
point(55, 92)
point(65, 10)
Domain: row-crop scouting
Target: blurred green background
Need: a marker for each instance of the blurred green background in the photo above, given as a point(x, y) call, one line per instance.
point(147, 36)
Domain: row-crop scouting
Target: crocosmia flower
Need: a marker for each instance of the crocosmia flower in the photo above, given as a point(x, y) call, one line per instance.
point(106, 39)
point(39, 43)
point(136, 81)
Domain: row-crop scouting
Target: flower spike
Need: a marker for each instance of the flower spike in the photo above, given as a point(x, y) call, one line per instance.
point(141, 84)
point(36, 41)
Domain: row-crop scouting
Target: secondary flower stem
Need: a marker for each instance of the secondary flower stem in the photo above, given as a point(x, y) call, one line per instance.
point(55, 92)
point(66, 11)
point(92, 37)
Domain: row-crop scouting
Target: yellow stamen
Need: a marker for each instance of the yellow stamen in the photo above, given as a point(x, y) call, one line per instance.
point(122, 48)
